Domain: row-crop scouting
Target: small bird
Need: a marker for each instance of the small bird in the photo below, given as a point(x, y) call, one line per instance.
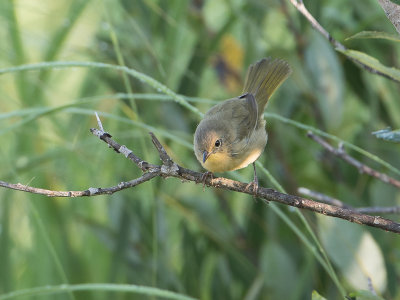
point(232, 133)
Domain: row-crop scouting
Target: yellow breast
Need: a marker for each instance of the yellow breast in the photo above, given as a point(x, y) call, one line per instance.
point(218, 162)
point(222, 162)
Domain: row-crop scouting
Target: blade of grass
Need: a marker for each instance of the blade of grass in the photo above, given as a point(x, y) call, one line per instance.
point(120, 288)
point(57, 42)
point(138, 75)
point(50, 247)
point(246, 264)
point(159, 131)
point(121, 62)
point(17, 46)
point(145, 38)
point(39, 112)
point(324, 260)
point(7, 272)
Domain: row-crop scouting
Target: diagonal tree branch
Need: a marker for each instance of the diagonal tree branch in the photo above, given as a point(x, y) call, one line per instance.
point(336, 202)
point(89, 192)
point(314, 23)
point(340, 152)
point(171, 169)
point(392, 12)
point(339, 46)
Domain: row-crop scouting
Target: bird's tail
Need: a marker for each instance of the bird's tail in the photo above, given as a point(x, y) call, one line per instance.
point(264, 77)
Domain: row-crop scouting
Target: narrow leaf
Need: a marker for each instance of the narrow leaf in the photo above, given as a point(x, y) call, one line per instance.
point(316, 296)
point(375, 35)
point(365, 295)
point(373, 63)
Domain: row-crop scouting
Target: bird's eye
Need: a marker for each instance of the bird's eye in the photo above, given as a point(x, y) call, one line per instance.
point(218, 143)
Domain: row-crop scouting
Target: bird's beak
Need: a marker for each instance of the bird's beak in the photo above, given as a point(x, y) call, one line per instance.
point(205, 156)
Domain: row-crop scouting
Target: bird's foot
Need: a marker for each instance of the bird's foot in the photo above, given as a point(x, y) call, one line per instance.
point(252, 187)
point(205, 176)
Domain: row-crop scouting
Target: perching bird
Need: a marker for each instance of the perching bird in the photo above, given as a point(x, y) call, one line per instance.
point(232, 133)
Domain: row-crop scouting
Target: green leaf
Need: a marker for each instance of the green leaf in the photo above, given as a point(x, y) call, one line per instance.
point(375, 35)
point(372, 62)
point(316, 296)
point(120, 288)
point(365, 295)
point(355, 252)
point(388, 135)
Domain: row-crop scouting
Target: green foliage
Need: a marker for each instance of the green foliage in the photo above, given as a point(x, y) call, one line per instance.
point(364, 295)
point(121, 288)
point(373, 63)
point(150, 65)
point(375, 35)
point(316, 296)
point(354, 252)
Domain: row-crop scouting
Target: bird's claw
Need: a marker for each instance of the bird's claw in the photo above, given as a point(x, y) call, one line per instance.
point(252, 187)
point(205, 176)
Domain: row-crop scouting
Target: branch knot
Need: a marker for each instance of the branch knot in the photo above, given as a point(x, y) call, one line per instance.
point(172, 170)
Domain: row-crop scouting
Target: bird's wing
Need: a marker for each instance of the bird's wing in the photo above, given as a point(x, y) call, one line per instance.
point(245, 116)
point(252, 108)
point(241, 115)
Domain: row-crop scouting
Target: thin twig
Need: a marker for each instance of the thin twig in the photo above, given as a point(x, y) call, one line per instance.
point(163, 154)
point(322, 197)
point(314, 23)
point(333, 201)
point(99, 121)
point(392, 12)
point(106, 137)
point(340, 152)
point(89, 192)
point(379, 210)
point(174, 170)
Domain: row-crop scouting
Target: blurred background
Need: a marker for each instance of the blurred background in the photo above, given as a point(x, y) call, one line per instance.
point(209, 244)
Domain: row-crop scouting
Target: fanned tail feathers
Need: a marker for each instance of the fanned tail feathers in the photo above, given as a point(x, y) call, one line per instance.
point(264, 77)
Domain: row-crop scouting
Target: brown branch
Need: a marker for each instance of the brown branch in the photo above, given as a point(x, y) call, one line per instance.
point(314, 23)
point(171, 169)
point(106, 137)
point(322, 197)
point(89, 192)
point(392, 12)
point(333, 201)
point(340, 152)
point(379, 210)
